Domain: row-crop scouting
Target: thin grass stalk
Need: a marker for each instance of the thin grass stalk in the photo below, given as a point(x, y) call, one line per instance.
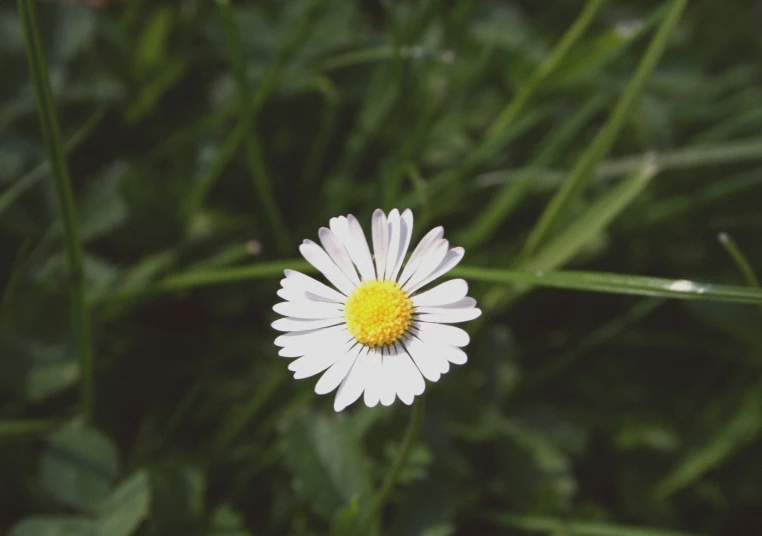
point(253, 149)
point(414, 425)
point(584, 171)
point(252, 108)
point(498, 134)
point(80, 312)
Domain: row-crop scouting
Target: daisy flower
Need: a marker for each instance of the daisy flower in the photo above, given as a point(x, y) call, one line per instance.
point(377, 333)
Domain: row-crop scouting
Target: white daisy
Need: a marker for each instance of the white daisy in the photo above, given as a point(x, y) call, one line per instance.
point(377, 333)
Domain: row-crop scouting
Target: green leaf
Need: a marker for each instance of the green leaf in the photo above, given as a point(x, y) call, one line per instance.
point(102, 208)
point(37, 370)
point(575, 528)
point(327, 461)
point(54, 526)
point(227, 522)
point(126, 508)
point(79, 468)
point(177, 497)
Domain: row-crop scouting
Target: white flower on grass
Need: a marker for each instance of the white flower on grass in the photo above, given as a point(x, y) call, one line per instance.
point(377, 333)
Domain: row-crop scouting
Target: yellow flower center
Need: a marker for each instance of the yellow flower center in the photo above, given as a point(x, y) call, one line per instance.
point(378, 312)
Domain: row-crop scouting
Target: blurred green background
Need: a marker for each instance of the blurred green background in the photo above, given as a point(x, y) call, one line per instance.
point(205, 140)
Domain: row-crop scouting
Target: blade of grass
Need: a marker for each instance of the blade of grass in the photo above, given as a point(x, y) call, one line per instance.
point(615, 284)
point(585, 168)
point(252, 147)
point(538, 380)
point(238, 421)
point(679, 159)
point(498, 134)
point(575, 528)
point(313, 164)
point(245, 124)
point(40, 171)
point(22, 428)
point(80, 312)
point(548, 66)
point(739, 258)
point(564, 246)
point(741, 429)
point(511, 194)
point(569, 280)
point(567, 244)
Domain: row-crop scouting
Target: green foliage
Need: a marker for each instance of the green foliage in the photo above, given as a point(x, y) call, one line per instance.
point(161, 161)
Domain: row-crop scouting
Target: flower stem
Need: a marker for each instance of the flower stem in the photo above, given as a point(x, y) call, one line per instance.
point(416, 416)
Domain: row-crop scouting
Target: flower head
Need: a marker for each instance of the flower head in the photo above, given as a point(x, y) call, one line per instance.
point(377, 333)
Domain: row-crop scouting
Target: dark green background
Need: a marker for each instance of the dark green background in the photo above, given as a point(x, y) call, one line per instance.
point(612, 412)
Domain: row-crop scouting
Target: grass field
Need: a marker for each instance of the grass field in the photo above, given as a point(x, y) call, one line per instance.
point(599, 161)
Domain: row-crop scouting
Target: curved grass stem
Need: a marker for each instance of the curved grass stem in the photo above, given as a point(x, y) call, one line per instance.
point(413, 426)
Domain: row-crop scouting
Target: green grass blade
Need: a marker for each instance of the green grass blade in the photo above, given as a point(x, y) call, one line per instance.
point(253, 105)
point(585, 168)
point(677, 160)
point(570, 280)
point(238, 421)
point(39, 172)
point(576, 528)
point(504, 128)
point(546, 68)
point(80, 312)
point(595, 219)
point(615, 284)
point(253, 149)
point(739, 258)
point(22, 428)
point(738, 431)
point(511, 194)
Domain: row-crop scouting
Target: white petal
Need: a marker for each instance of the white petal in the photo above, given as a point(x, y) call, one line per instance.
point(298, 281)
point(358, 249)
point(373, 381)
point(300, 324)
point(447, 292)
point(460, 305)
point(380, 232)
point(294, 337)
point(340, 226)
point(394, 242)
point(354, 382)
point(338, 371)
point(291, 352)
point(316, 361)
point(406, 232)
point(418, 253)
point(318, 258)
point(387, 390)
point(338, 253)
point(456, 356)
point(408, 381)
point(427, 361)
point(299, 343)
point(443, 333)
point(308, 309)
point(450, 261)
point(458, 315)
point(431, 260)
